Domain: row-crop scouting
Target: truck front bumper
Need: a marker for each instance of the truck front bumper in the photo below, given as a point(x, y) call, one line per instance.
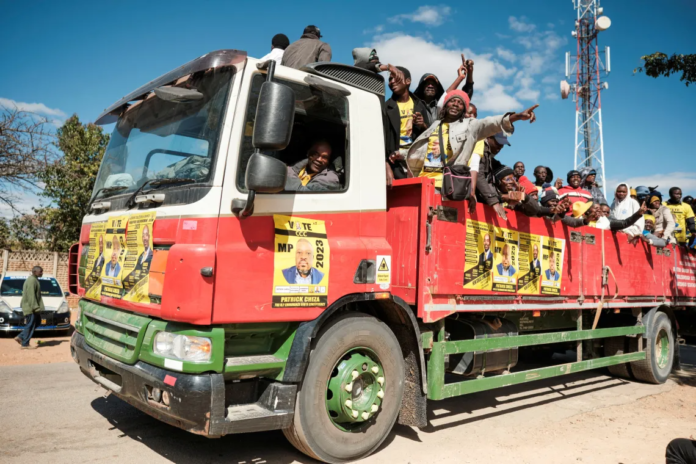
point(203, 404)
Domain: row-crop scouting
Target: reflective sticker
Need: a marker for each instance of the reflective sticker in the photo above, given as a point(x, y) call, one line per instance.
point(170, 380)
point(190, 225)
point(172, 364)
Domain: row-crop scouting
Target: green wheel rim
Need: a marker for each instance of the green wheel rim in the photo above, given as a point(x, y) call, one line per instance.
point(662, 349)
point(355, 389)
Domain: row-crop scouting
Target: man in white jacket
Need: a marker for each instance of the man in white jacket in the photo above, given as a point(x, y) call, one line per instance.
point(278, 45)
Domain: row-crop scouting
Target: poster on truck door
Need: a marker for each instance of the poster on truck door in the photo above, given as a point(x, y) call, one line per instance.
point(300, 263)
point(115, 253)
point(136, 266)
point(529, 272)
point(551, 265)
point(505, 264)
point(96, 258)
point(478, 259)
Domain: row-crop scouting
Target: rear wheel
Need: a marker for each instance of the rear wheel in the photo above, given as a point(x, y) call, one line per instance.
point(659, 352)
point(351, 394)
point(620, 345)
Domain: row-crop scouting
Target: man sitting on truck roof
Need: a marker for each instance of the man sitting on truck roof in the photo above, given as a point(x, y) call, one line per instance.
point(278, 45)
point(462, 135)
point(313, 174)
point(308, 49)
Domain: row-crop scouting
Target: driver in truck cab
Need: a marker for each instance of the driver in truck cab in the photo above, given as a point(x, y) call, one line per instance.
point(313, 174)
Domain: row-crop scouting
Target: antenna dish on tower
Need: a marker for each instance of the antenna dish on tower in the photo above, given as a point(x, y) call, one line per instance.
point(565, 89)
point(603, 23)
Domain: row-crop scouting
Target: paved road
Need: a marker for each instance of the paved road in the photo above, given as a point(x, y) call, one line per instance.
point(52, 413)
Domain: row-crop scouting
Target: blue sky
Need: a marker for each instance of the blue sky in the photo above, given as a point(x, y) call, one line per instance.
point(79, 57)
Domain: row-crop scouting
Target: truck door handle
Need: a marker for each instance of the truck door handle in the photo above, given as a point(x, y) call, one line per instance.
point(428, 237)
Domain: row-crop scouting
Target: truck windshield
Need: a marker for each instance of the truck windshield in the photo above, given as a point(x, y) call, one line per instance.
point(168, 137)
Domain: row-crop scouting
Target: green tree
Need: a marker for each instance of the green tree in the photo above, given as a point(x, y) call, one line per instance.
point(658, 64)
point(70, 179)
point(28, 232)
point(4, 234)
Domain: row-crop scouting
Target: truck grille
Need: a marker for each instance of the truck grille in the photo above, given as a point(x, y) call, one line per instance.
point(117, 334)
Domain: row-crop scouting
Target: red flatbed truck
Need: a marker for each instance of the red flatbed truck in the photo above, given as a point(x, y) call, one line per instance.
point(218, 303)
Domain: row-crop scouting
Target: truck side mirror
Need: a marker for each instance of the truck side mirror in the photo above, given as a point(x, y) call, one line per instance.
point(265, 174)
point(275, 115)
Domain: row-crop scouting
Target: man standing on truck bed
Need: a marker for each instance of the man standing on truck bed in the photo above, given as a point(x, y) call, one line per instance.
point(309, 49)
point(32, 304)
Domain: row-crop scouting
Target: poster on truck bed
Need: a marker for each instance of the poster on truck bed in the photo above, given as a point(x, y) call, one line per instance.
point(478, 260)
point(529, 272)
point(301, 263)
point(137, 264)
point(505, 264)
point(551, 265)
point(96, 258)
point(115, 253)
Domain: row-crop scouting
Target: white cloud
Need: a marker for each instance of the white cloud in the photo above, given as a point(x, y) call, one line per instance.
point(375, 30)
point(684, 180)
point(426, 14)
point(551, 95)
point(550, 79)
point(38, 108)
point(24, 201)
point(519, 25)
point(506, 54)
point(420, 55)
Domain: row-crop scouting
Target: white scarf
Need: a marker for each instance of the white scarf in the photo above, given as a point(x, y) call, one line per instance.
point(625, 209)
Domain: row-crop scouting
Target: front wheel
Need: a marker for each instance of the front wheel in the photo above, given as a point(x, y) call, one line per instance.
point(351, 394)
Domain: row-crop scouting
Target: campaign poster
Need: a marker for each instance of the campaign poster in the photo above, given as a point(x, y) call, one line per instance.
point(96, 258)
point(551, 265)
point(478, 255)
point(529, 261)
point(505, 262)
point(115, 253)
point(301, 263)
point(138, 261)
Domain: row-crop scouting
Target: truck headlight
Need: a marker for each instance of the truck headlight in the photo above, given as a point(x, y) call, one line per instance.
point(63, 308)
point(5, 308)
point(184, 347)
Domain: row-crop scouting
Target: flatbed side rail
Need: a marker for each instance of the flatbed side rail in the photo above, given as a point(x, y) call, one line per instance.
point(438, 389)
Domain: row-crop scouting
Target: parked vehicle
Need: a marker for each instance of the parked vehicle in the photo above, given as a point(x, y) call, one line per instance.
point(194, 308)
point(57, 313)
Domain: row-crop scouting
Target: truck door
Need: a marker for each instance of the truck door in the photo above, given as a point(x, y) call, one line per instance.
point(256, 278)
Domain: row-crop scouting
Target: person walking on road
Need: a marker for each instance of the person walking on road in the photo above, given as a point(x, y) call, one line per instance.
point(32, 304)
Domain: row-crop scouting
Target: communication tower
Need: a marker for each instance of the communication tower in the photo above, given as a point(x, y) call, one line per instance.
point(588, 68)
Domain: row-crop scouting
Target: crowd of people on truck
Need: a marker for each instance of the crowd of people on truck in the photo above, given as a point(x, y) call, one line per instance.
point(431, 129)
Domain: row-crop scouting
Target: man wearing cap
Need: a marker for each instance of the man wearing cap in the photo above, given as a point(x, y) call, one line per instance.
point(405, 118)
point(278, 45)
point(309, 49)
point(573, 191)
point(514, 198)
point(485, 151)
point(683, 214)
point(587, 181)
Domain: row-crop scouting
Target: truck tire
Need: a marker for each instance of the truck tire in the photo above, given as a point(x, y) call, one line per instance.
point(659, 352)
point(351, 393)
point(620, 345)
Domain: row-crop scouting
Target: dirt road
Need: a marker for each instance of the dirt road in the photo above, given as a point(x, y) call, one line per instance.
point(52, 413)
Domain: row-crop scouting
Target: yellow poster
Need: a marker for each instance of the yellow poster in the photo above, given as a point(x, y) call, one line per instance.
point(136, 267)
point(301, 263)
point(478, 260)
point(505, 260)
point(529, 264)
point(551, 265)
point(115, 252)
point(96, 259)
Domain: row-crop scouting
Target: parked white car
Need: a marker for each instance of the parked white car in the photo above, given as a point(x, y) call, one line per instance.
point(57, 313)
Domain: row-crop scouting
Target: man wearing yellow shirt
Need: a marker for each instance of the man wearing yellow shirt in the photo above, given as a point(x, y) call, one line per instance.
point(683, 215)
point(405, 118)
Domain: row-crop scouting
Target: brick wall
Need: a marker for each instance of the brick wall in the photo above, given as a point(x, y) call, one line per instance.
point(25, 260)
